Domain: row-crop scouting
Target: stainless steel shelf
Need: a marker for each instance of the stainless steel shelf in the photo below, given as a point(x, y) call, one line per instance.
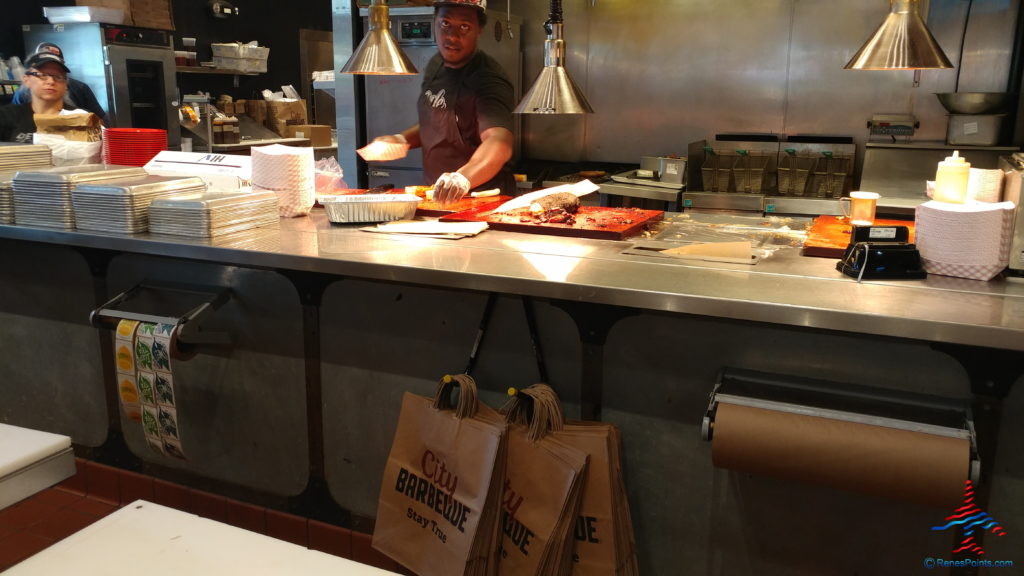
point(207, 70)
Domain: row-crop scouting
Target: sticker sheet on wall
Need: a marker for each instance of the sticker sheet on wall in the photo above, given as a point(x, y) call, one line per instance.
point(145, 384)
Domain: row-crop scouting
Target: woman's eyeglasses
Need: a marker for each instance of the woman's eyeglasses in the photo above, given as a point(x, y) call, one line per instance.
point(44, 76)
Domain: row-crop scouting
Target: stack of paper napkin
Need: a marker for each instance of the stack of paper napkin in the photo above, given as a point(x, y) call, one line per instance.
point(969, 240)
point(985, 185)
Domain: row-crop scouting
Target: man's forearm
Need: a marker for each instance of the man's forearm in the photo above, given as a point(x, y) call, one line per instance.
point(494, 152)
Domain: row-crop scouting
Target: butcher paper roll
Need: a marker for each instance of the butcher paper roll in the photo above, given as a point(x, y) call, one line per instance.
point(918, 467)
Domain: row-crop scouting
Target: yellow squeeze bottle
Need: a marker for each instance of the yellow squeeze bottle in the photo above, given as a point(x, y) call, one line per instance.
point(951, 179)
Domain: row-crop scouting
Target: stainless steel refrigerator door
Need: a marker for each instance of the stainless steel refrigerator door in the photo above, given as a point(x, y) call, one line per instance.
point(144, 89)
point(391, 104)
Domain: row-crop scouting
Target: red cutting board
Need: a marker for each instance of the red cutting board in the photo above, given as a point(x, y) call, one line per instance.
point(598, 222)
point(432, 208)
point(829, 236)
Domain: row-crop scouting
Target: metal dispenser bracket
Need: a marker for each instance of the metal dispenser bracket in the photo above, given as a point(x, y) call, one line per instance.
point(847, 402)
point(188, 330)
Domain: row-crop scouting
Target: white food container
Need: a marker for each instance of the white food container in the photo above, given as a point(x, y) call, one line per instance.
point(355, 208)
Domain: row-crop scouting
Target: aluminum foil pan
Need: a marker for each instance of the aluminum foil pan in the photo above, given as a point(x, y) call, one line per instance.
point(356, 208)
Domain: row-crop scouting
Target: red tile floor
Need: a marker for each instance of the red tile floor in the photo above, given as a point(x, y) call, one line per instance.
point(97, 490)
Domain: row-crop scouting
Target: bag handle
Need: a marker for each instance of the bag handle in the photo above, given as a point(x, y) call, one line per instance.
point(467, 404)
point(537, 407)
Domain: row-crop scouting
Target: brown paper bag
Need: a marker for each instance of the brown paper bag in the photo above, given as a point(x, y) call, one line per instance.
point(441, 487)
point(85, 127)
point(282, 113)
point(604, 542)
point(543, 489)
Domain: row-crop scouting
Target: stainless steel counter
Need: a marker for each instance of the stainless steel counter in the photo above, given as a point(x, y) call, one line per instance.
point(784, 288)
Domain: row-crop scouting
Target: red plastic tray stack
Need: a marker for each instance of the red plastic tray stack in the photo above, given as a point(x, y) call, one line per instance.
point(132, 146)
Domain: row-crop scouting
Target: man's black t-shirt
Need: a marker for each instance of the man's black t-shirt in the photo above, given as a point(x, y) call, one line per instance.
point(16, 123)
point(456, 105)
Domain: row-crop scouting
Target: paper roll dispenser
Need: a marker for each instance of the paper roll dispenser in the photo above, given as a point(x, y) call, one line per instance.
point(194, 306)
point(851, 437)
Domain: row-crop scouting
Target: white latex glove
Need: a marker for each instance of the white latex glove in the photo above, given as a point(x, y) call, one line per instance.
point(385, 148)
point(450, 188)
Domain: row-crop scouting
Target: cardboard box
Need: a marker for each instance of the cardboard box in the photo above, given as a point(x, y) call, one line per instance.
point(284, 113)
point(249, 65)
point(257, 110)
point(319, 135)
point(153, 14)
point(220, 171)
point(123, 5)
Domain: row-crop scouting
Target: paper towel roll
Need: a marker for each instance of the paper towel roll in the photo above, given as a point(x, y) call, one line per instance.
point(899, 464)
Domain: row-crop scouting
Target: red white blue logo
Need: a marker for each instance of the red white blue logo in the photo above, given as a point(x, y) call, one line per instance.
point(973, 520)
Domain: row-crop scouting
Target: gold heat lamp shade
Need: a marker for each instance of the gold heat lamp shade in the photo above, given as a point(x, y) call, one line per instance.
point(554, 92)
point(378, 53)
point(902, 42)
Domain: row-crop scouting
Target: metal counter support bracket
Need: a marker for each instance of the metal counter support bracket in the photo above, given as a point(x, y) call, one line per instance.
point(593, 322)
point(188, 327)
point(315, 500)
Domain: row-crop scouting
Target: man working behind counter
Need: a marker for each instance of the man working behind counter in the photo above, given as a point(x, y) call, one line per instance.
point(465, 109)
point(47, 78)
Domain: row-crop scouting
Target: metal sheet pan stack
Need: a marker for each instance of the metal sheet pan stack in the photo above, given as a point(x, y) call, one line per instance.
point(122, 205)
point(14, 157)
point(43, 197)
point(212, 213)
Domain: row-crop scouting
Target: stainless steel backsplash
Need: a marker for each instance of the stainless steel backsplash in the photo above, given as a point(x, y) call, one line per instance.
point(662, 73)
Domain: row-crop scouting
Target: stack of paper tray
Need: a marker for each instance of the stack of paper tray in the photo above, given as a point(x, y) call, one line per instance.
point(14, 157)
point(6, 198)
point(212, 213)
point(122, 205)
point(43, 198)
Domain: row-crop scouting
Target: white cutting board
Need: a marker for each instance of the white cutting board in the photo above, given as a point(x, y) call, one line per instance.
point(146, 538)
point(22, 447)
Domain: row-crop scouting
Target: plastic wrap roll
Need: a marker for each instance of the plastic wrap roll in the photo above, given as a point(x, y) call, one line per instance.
point(904, 465)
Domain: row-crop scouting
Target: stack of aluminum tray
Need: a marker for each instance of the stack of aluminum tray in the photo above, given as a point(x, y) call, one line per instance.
point(212, 213)
point(6, 198)
point(14, 157)
point(122, 205)
point(43, 198)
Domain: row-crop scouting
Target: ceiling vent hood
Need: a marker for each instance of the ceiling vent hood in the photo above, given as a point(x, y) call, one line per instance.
point(902, 42)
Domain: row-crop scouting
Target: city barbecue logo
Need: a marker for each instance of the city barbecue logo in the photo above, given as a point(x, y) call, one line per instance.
point(972, 519)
